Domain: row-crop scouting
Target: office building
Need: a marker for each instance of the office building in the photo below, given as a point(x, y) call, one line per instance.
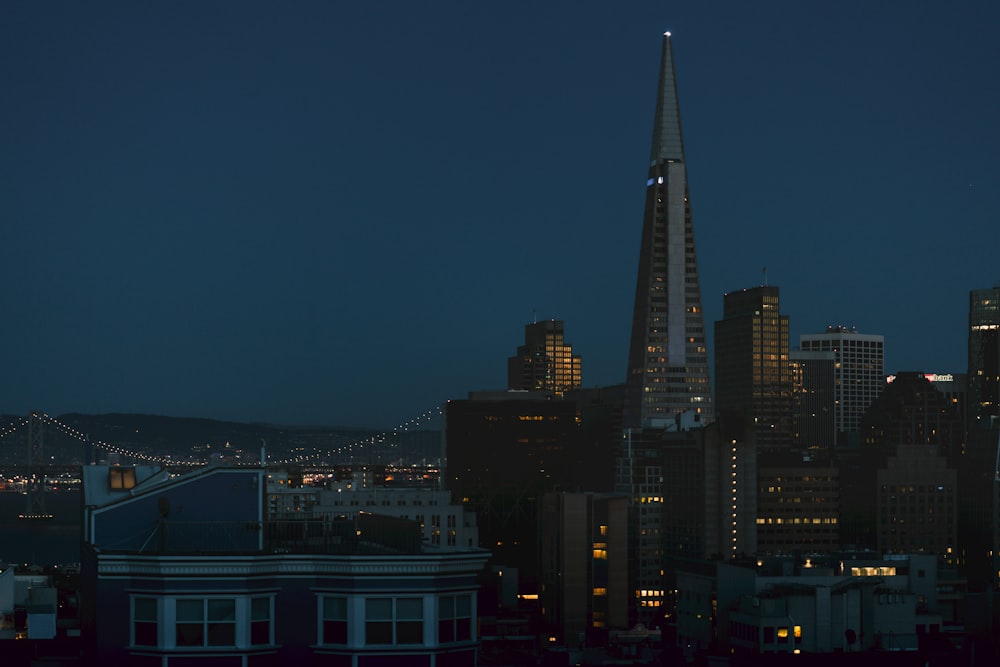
point(813, 404)
point(504, 450)
point(913, 410)
point(859, 375)
point(752, 373)
point(694, 496)
point(545, 362)
point(917, 506)
point(668, 358)
point(798, 508)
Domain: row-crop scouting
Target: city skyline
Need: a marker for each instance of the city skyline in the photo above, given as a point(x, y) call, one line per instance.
point(346, 215)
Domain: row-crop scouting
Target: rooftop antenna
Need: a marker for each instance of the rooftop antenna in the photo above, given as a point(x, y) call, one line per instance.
point(534, 316)
point(764, 273)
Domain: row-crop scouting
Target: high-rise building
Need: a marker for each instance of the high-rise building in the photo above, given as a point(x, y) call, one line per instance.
point(668, 357)
point(694, 496)
point(813, 391)
point(859, 375)
point(980, 492)
point(584, 587)
point(752, 375)
point(545, 362)
point(984, 356)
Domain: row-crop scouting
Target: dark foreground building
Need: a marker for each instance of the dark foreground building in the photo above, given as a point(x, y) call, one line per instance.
point(191, 571)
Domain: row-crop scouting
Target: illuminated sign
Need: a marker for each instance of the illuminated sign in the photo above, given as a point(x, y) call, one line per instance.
point(930, 377)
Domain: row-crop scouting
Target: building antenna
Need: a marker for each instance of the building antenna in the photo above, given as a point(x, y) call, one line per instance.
point(764, 272)
point(534, 316)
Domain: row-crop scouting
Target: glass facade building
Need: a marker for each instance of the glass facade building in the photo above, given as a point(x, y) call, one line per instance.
point(752, 374)
point(545, 362)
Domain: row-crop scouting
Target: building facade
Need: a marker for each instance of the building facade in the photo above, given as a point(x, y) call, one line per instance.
point(798, 508)
point(984, 356)
point(752, 374)
point(693, 495)
point(191, 571)
point(813, 403)
point(668, 355)
point(545, 362)
point(859, 375)
point(584, 588)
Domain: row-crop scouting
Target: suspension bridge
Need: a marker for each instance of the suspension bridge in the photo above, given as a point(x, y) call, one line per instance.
point(38, 469)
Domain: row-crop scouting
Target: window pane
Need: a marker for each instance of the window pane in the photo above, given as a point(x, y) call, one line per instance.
point(410, 632)
point(145, 633)
point(190, 610)
point(446, 608)
point(260, 632)
point(145, 609)
point(463, 629)
point(378, 609)
point(334, 632)
point(463, 605)
point(222, 610)
point(409, 609)
point(190, 634)
point(446, 630)
point(221, 634)
point(260, 609)
point(335, 609)
point(378, 632)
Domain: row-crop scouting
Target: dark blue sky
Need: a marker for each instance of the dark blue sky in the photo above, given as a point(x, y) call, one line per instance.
point(345, 212)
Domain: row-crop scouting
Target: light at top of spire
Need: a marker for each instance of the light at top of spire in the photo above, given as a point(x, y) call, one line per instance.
point(666, 34)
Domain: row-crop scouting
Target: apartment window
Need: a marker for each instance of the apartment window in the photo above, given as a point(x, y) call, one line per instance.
point(210, 622)
point(334, 620)
point(145, 622)
point(260, 621)
point(394, 621)
point(199, 622)
point(455, 618)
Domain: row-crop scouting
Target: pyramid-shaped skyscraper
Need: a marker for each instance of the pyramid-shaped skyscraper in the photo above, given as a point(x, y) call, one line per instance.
point(668, 355)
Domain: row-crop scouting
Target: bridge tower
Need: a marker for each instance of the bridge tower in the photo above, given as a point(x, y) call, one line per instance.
point(35, 507)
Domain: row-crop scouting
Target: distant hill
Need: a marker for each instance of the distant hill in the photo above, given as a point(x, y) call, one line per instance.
point(185, 438)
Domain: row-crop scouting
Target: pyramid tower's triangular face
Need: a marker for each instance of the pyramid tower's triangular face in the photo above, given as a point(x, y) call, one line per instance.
point(668, 356)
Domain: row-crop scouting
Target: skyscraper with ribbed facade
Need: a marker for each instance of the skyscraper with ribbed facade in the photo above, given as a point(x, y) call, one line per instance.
point(668, 358)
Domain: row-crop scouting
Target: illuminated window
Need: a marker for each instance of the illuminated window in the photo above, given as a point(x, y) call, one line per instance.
point(121, 478)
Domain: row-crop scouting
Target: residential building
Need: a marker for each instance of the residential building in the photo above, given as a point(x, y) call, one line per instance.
point(545, 362)
point(668, 356)
point(191, 570)
point(584, 586)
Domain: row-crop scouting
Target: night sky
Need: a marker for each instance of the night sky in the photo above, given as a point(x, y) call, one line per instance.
point(344, 213)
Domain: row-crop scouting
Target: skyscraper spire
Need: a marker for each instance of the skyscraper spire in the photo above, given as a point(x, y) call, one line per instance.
point(668, 356)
